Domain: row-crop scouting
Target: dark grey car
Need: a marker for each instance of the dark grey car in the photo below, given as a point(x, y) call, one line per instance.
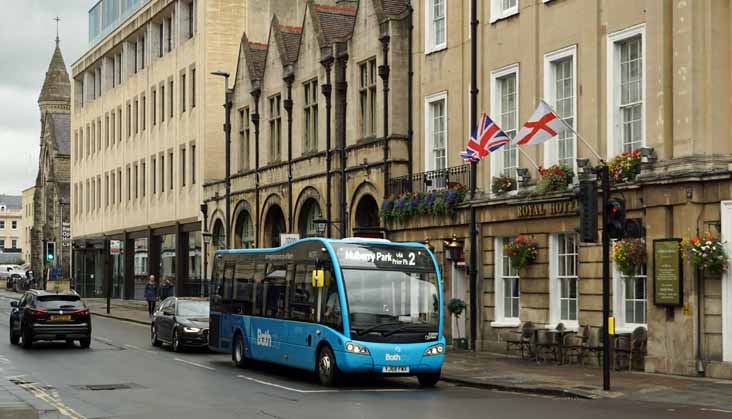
point(181, 323)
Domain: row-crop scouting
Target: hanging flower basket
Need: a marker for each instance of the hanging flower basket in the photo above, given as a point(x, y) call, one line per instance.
point(404, 206)
point(629, 255)
point(502, 184)
point(707, 253)
point(554, 178)
point(521, 252)
point(625, 167)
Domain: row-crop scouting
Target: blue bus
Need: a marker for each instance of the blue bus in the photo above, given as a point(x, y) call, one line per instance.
point(334, 307)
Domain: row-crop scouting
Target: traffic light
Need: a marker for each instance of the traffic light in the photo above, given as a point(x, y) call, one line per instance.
point(50, 251)
point(587, 211)
point(615, 223)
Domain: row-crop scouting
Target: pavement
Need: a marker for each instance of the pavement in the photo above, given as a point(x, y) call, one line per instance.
point(54, 378)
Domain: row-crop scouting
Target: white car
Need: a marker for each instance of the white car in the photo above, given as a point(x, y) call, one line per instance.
point(11, 274)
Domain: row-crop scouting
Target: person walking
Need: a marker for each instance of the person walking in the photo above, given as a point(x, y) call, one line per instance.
point(166, 290)
point(151, 294)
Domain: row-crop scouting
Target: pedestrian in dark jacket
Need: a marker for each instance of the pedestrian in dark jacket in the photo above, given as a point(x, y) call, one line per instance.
point(151, 294)
point(166, 290)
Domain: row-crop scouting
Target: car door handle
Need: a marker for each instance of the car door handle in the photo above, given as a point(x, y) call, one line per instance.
point(309, 340)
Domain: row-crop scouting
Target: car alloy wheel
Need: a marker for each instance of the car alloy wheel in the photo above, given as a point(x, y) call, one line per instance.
point(14, 339)
point(154, 336)
point(176, 341)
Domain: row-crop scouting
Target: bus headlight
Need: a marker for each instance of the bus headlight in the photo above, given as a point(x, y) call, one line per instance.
point(191, 329)
point(435, 350)
point(355, 348)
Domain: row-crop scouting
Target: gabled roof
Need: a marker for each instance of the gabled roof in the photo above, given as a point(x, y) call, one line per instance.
point(11, 201)
point(288, 40)
point(255, 54)
point(56, 86)
point(335, 22)
point(391, 9)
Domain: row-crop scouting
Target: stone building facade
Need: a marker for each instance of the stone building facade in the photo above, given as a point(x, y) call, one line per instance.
point(146, 133)
point(634, 75)
point(27, 198)
point(11, 228)
point(51, 205)
point(310, 138)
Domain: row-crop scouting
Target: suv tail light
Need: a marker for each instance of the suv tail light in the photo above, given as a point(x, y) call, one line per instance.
point(35, 312)
point(81, 312)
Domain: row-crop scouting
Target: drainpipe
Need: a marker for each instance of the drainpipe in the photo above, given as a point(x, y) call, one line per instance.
point(327, 89)
point(384, 74)
point(699, 310)
point(341, 91)
point(255, 120)
point(410, 94)
point(288, 107)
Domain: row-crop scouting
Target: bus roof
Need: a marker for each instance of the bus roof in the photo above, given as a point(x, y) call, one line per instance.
point(350, 240)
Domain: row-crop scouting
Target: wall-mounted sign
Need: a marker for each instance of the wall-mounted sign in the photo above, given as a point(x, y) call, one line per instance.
point(286, 239)
point(115, 247)
point(544, 209)
point(668, 273)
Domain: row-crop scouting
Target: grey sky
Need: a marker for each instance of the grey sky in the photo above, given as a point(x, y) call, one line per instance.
point(27, 33)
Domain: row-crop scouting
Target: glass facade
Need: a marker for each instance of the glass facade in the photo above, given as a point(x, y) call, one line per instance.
point(106, 15)
point(141, 267)
point(167, 258)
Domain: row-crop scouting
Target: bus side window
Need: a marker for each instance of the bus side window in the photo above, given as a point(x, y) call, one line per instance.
point(332, 316)
point(258, 290)
point(216, 289)
point(302, 307)
point(243, 286)
point(228, 283)
point(275, 292)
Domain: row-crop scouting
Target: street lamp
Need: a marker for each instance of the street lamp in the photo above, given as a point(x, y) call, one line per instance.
point(227, 132)
point(322, 223)
point(206, 236)
point(453, 249)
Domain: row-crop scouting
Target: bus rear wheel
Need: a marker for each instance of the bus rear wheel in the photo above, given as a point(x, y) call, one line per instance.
point(327, 367)
point(429, 380)
point(237, 354)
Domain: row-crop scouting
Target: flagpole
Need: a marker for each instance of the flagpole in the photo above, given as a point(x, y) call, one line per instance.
point(528, 157)
point(592, 149)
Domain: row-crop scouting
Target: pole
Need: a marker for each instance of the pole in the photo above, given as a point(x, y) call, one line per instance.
point(227, 131)
point(107, 273)
point(255, 120)
point(205, 251)
point(473, 175)
point(605, 177)
point(592, 149)
point(327, 89)
point(288, 107)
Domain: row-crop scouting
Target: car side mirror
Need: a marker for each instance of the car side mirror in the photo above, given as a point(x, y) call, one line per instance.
point(168, 313)
point(14, 304)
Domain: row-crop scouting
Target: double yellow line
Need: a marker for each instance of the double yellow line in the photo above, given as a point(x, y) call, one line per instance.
point(52, 399)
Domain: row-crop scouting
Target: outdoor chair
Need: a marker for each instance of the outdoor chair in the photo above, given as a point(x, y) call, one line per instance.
point(630, 348)
point(575, 344)
point(521, 338)
point(594, 345)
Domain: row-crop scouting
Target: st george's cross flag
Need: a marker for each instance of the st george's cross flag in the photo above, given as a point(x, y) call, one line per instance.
point(543, 125)
point(487, 138)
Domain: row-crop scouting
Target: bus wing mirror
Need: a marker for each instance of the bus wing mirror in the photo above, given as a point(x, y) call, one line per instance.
point(318, 278)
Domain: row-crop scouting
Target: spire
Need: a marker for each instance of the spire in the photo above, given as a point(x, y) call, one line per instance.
point(56, 90)
point(57, 19)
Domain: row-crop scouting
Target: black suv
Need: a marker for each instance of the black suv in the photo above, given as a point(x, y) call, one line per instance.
point(41, 315)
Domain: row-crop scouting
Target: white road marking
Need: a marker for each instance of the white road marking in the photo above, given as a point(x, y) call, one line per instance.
point(195, 364)
point(137, 348)
point(703, 409)
point(105, 340)
point(297, 390)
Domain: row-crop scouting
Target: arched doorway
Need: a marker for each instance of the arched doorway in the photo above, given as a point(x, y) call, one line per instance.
point(274, 225)
point(243, 231)
point(308, 214)
point(218, 235)
point(367, 223)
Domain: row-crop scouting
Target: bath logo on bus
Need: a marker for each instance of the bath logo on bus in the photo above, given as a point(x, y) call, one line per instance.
point(394, 357)
point(264, 338)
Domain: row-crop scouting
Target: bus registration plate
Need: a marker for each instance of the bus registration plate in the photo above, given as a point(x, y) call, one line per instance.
point(394, 369)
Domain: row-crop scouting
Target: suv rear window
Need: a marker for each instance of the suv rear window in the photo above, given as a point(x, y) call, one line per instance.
point(56, 302)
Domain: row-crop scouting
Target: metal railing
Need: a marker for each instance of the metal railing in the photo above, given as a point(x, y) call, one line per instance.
point(434, 180)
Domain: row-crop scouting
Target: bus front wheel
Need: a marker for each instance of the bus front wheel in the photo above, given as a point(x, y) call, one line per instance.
point(429, 380)
point(327, 368)
point(237, 355)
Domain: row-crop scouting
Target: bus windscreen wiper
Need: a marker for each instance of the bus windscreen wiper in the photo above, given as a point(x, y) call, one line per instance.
point(405, 327)
point(374, 328)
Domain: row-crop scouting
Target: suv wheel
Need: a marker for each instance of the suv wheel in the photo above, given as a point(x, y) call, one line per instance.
point(14, 339)
point(85, 343)
point(27, 339)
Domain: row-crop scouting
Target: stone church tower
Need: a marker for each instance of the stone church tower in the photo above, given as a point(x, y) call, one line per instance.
point(52, 205)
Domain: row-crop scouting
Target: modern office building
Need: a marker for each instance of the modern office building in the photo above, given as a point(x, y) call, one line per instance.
point(146, 134)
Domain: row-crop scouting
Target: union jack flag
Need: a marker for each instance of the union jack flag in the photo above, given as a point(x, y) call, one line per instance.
point(487, 138)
